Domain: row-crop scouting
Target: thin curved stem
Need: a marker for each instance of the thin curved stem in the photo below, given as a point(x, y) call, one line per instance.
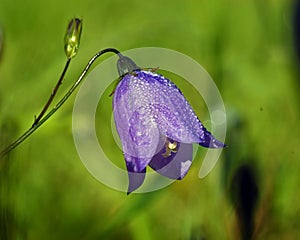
point(54, 91)
point(34, 127)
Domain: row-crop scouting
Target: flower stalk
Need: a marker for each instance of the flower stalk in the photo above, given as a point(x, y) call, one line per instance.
point(72, 39)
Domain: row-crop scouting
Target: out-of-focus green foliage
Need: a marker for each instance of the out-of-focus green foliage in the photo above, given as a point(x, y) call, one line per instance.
point(246, 46)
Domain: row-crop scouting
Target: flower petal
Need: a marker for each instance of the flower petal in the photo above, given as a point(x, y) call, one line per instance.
point(172, 113)
point(165, 103)
point(136, 178)
point(137, 130)
point(174, 164)
point(210, 141)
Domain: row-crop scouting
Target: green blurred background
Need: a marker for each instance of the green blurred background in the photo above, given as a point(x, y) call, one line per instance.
point(246, 46)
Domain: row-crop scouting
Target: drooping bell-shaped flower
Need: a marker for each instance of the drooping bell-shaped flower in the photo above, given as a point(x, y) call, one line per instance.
point(156, 124)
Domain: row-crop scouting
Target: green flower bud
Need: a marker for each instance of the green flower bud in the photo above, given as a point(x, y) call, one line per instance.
point(72, 37)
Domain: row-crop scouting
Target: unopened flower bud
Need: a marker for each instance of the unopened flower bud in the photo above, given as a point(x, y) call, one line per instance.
point(72, 37)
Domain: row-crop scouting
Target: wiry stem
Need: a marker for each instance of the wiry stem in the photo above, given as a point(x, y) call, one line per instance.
point(54, 91)
point(42, 120)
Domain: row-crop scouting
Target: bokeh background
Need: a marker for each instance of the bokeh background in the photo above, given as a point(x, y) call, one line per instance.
point(250, 50)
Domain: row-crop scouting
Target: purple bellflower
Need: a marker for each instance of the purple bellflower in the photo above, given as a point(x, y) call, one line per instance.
point(156, 124)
